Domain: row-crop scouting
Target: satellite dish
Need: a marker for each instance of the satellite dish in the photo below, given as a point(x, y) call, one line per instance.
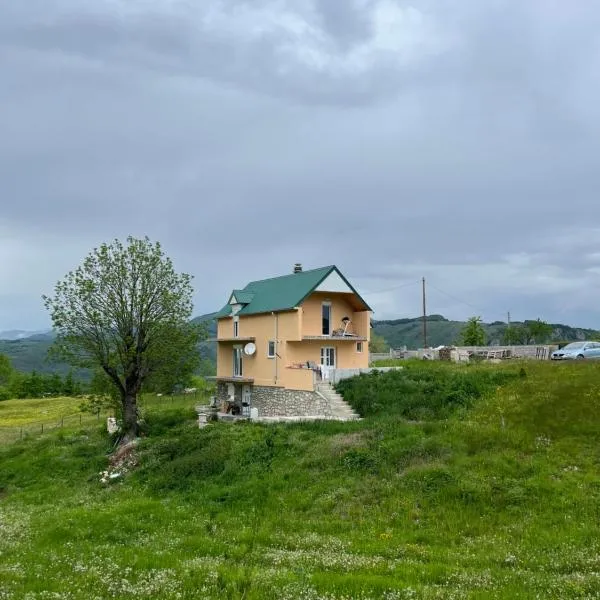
point(250, 349)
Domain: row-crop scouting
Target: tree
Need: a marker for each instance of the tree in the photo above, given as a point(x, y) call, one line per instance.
point(6, 370)
point(537, 332)
point(54, 384)
point(473, 333)
point(126, 311)
point(377, 344)
point(514, 335)
point(33, 385)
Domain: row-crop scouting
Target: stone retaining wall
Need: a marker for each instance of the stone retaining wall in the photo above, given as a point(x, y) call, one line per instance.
point(279, 402)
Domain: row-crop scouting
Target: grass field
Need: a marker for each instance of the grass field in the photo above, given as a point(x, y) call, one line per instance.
point(20, 418)
point(23, 418)
point(494, 492)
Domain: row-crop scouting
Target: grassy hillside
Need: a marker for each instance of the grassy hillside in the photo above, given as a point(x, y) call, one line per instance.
point(493, 492)
point(441, 331)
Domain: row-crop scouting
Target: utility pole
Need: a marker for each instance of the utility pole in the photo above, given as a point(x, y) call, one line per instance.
point(424, 317)
point(508, 320)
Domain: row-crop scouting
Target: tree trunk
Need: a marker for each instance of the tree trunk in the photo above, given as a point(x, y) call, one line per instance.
point(130, 424)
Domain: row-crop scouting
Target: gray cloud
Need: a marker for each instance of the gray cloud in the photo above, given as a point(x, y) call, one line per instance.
point(453, 140)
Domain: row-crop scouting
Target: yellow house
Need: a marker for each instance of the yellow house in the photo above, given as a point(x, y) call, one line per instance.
point(280, 338)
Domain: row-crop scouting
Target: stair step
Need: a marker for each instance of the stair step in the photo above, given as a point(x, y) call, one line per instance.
point(337, 407)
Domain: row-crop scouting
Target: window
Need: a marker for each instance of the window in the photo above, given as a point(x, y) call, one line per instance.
point(237, 362)
point(271, 349)
point(326, 314)
point(236, 327)
point(359, 346)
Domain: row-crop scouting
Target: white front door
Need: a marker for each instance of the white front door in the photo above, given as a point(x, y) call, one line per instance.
point(328, 357)
point(327, 361)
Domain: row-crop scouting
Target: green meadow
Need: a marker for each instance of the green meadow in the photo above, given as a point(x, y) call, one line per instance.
point(470, 481)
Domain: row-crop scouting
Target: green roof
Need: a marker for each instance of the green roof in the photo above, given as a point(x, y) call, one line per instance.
point(280, 293)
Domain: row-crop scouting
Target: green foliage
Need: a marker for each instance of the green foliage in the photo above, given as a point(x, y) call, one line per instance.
point(497, 501)
point(473, 333)
point(514, 335)
point(422, 390)
point(6, 370)
point(126, 311)
point(40, 385)
point(531, 332)
point(377, 344)
point(537, 332)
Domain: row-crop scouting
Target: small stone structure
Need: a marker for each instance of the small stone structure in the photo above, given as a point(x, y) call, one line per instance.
point(111, 425)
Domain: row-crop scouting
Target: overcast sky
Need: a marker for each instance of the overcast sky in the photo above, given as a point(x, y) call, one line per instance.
point(453, 139)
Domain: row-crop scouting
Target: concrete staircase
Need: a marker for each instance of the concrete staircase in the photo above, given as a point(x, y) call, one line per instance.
point(339, 409)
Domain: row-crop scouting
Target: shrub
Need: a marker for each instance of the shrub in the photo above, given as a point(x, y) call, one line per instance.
point(422, 391)
point(178, 463)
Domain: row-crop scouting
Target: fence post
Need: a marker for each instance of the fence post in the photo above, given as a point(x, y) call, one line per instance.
point(21, 433)
point(42, 428)
point(98, 414)
point(80, 418)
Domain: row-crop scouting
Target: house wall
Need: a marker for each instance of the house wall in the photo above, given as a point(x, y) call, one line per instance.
point(297, 379)
point(341, 306)
point(265, 371)
point(287, 329)
point(362, 323)
point(346, 355)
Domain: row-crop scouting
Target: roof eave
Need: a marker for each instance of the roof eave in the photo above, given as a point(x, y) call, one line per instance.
point(328, 272)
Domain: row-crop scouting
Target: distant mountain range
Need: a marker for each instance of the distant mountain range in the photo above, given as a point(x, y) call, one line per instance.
point(20, 334)
point(27, 350)
point(441, 331)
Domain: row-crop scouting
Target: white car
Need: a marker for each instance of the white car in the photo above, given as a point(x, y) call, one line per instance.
point(577, 350)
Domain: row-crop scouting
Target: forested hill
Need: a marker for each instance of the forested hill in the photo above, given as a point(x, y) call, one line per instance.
point(29, 353)
point(441, 331)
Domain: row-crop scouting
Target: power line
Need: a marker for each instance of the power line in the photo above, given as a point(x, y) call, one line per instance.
point(396, 287)
point(476, 308)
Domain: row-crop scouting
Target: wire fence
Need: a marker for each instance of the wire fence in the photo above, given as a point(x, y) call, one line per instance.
point(87, 419)
point(33, 428)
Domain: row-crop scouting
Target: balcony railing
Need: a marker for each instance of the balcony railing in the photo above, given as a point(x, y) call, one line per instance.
point(336, 338)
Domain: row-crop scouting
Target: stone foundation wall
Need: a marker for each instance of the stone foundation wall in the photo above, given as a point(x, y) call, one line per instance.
point(222, 394)
point(279, 402)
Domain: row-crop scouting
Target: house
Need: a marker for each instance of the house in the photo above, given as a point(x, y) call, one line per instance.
point(279, 338)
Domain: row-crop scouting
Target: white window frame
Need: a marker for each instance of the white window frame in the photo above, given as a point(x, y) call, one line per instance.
point(238, 361)
point(323, 305)
point(271, 344)
point(236, 327)
point(359, 347)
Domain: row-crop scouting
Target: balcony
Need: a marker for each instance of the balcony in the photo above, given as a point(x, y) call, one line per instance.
point(334, 338)
point(239, 340)
point(231, 379)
